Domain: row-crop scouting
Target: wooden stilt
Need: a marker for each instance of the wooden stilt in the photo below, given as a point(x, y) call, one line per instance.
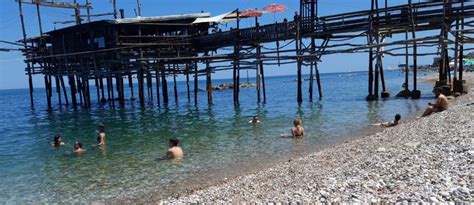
point(262, 73)
point(164, 86)
point(96, 84)
point(208, 83)
point(187, 82)
point(149, 85)
point(415, 93)
point(30, 85)
point(298, 45)
point(318, 80)
point(157, 79)
point(64, 90)
point(258, 72)
point(79, 90)
point(72, 85)
point(196, 82)
point(58, 89)
point(107, 80)
point(407, 63)
point(46, 86)
point(141, 92)
point(130, 84)
point(112, 93)
point(101, 83)
point(175, 86)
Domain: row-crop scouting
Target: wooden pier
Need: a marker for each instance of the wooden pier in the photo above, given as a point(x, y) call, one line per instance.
point(110, 53)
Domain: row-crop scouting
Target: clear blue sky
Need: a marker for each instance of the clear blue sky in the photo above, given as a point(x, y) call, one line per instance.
point(12, 73)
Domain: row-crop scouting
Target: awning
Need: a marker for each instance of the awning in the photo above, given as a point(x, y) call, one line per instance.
point(225, 17)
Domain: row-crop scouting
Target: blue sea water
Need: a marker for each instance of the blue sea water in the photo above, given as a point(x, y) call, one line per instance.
point(218, 140)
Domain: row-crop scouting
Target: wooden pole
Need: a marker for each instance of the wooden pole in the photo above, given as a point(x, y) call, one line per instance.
point(164, 86)
point(187, 82)
point(101, 83)
point(461, 49)
point(72, 86)
point(28, 67)
point(415, 93)
point(298, 53)
point(112, 93)
point(175, 86)
point(115, 8)
point(130, 84)
point(208, 83)
point(88, 10)
point(258, 60)
point(262, 73)
point(79, 89)
point(311, 67)
point(157, 79)
point(58, 89)
point(141, 92)
point(149, 84)
point(96, 83)
point(46, 86)
point(407, 63)
point(64, 90)
point(196, 82)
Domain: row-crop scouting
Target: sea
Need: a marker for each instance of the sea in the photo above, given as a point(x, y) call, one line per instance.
point(218, 140)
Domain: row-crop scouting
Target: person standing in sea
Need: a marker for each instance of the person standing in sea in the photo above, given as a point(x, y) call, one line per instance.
point(174, 152)
point(101, 136)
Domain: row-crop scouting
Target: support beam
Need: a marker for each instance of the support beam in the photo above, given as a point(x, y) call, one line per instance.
point(64, 90)
point(157, 81)
point(196, 82)
point(187, 82)
point(175, 86)
point(208, 83)
point(164, 85)
point(130, 84)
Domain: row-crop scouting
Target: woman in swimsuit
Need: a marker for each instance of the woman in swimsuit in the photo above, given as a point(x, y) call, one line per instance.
point(298, 130)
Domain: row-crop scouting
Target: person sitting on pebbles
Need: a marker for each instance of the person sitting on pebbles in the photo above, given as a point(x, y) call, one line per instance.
point(441, 103)
point(174, 152)
point(390, 124)
point(297, 131)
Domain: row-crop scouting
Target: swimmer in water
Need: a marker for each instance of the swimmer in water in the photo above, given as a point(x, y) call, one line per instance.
point(78, 148)
point(254, 120)
point(101, 136)
point(174, 152)
point(390, 124)
point(297, 131)
point(57, 141)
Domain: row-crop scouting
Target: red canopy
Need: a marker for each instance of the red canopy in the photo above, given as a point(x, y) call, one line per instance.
point(251, 13)
point(275, 8)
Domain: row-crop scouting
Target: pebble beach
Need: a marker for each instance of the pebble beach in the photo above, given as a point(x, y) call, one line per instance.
point(421, 160)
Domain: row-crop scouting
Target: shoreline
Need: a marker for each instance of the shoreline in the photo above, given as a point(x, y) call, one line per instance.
point(393, 165)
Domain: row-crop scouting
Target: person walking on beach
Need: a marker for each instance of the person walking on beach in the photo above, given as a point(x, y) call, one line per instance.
point(101, 136)
point(440, 105)
point(57, 141)
point(390, 124)
point(298, 130)
point(174, 152)
point(78, 148)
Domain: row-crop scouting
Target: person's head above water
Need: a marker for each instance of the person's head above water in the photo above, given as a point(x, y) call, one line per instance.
point(101, 127)
point(173, 142)
point(297, 122)
point(77, 145)
point(57, 140)
point(397, 117)
point(437, 91)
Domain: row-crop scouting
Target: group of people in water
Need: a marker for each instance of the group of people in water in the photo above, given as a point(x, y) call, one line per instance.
point(176, 152)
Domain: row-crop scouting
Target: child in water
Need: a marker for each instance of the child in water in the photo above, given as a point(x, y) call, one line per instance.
point(297, 131)
point(101, 136)
point(57, 141)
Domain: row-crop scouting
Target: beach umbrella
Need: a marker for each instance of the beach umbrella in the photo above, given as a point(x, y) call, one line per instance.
point(273, 8)
point(250, 13)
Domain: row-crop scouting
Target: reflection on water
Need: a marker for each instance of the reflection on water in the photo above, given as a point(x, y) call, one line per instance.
point(218, 140)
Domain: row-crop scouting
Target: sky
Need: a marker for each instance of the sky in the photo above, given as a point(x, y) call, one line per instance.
point(12, 74)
